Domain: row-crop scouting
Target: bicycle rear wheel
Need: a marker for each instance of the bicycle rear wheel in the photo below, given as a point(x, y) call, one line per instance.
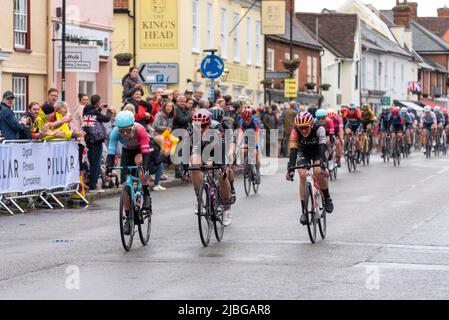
point(310, 212)
point(145, 227)
point(204, 216)
point(126, 223)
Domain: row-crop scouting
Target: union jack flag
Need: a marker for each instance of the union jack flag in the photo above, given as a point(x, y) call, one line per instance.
point(89, 121)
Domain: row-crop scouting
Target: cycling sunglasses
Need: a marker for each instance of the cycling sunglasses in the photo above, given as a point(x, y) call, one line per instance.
point(126, 130)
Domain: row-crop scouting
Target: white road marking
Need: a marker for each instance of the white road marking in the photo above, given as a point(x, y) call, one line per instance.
point(403, 266)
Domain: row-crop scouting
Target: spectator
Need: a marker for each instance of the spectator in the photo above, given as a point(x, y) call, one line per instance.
point(289, 124)
point(175, 96)
point(63, 131)
point(131, 84)
point(142, 108)
point(10, 127)
point(205, 103)
point(52, 97)
point(197, 96)
point(189, 107)
point(156, 103)
point(217, 95)
point(221, 103)
point(95, 137)
point(33, 113)
point(164, 119)
point(188, 94)
point(269, 122)
point(228, 103)
point(182, 121)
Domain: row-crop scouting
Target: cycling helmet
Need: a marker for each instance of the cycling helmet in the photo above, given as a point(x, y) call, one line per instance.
point(437, 109)
point(304, 119)
point(320, 113)
point(385, 109)
point(247, 114)
point(217, 113)
point(404, 110)
point(444, 110)
point(395, 111)
point(124, 119)
point(427, 109)
point(352, 107)
point(202, 117)
point(331, 113)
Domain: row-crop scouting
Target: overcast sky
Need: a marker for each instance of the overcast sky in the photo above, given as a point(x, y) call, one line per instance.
point(426, 8)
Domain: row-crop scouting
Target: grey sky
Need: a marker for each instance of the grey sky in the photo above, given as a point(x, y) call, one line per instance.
point(426, 8)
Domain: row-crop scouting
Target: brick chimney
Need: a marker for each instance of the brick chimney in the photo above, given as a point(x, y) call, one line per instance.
point(443, 12)
point(414, 9)
point(121, 4)
point(287, 7)
point(402, 14)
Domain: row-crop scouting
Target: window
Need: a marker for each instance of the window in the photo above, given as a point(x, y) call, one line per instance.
point(394, 75)
point(270, 59)
point(21, 21)
point(237, 92)
point(375, 74)
point(363, 73)
point(249, 53)
point(236, 37)
point(315, 70)
point(357, 66)
point(386, 75)
point(296, 74)
point(196, 26)
point(20, 88)
point(259, 97)
point(402, 76)
point(309, 69)
point(223, 31)
point(258, 44)
point(210, 26)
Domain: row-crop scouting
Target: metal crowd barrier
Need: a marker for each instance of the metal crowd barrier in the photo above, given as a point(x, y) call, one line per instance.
point(7, 200)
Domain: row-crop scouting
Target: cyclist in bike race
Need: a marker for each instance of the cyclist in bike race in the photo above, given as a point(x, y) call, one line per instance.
point(353, 122)
point(135, 141)
point(397, 125)
point(308, 145)
point(249, 128)
point(368, 120)
point(446, 122)
point(322, 119)
point(384, 127)
point(225, 125)
point(428, 124)
point(440, 119)
point(409, 122)
point(211, 139)
point(339, 133)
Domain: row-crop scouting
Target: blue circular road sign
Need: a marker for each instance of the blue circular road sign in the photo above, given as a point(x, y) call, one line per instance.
point(212, 67)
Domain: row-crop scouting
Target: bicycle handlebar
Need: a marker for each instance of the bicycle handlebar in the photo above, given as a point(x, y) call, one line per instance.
point(205, 168)
point(307, 167)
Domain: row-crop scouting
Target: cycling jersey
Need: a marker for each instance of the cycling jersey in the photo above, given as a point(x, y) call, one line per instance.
point(253, 124)
point(440, 117)
point(304, 150)
point(139, 140)
point(368, 116)
point(328, 125)
point(353, 119)
point(429, 118)
point(384, 122)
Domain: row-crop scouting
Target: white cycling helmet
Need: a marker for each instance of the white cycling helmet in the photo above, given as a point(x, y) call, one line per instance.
point(437, 109)
point(427, 109)
point(404, 110)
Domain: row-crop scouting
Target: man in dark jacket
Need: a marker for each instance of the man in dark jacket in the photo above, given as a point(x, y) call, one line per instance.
point(93, 112)
point(182, 121)
point(10, 127)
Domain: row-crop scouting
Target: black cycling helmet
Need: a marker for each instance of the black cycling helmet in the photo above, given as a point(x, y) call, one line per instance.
point(217, 114)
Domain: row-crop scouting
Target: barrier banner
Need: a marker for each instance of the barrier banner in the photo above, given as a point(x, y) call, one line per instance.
point(38, 166)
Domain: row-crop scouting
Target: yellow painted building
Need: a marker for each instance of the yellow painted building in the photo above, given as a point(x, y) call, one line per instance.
point(23, 50)
point(177, 31)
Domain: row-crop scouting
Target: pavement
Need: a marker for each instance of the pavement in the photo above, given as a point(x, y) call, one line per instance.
point(387, 239)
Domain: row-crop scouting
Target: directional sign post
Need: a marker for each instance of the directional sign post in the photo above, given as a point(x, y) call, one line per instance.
point(212, 67)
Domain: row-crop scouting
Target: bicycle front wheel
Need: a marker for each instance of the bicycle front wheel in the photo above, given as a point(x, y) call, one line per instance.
point(322, 222)
point(126, 222)
point(204, 216)
point(145, 227)
point(255, 184)
point(310, 212)
point(247, 179)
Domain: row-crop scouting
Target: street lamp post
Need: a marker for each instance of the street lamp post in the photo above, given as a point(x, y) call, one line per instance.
point(291, 34)
point(63, 83)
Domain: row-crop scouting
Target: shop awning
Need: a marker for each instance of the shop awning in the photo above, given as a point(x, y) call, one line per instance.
point(412, 105)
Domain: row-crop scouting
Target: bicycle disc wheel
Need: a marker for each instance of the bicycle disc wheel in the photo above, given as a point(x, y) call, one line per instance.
point(218, 221)
point(204, 216)
point(322, 222)
point(310, 212)
point(247, 180)
point(145, 228)
point(127, 240)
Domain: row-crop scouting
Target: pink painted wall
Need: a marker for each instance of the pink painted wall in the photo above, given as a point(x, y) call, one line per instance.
point(98, 14)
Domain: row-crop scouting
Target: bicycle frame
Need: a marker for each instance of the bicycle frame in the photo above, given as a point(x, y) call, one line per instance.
point(130, 180)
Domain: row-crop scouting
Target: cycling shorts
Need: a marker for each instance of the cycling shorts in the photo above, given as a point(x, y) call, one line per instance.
point(395, 128)
point(128, 160)
point(308, 156)
point(366, 123)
